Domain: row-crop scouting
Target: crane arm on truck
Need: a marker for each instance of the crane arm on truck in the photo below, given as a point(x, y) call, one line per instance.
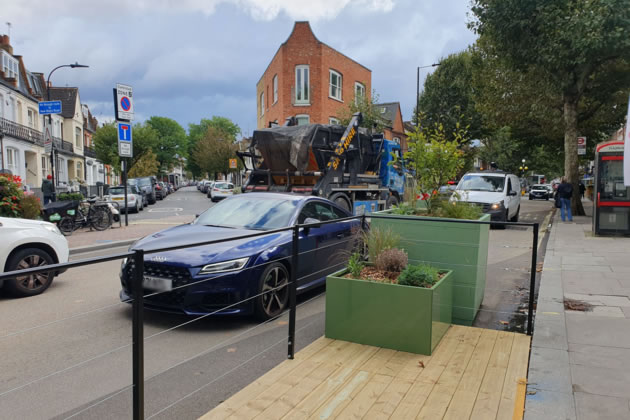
point(346, 140)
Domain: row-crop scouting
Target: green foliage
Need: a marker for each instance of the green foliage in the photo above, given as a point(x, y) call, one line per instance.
point(420, 275)
point(447, 97)
point(459, 210)
point(379, 239)
point(146, 165)
point(433, 159)
point(407, 208)
point(367, 107)
point(70, 197)
point(172, 142)
point(213, 151)
point(355, 265)
point(391, 260)
point(31, 207)
point(106, 143)
point(10, 195)
point(196, 132)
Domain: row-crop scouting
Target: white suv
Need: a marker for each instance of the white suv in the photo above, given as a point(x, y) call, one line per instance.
point(28, 244)
point(497, 193)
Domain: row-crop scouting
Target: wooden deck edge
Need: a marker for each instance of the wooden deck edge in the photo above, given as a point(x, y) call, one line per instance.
point(519, 401)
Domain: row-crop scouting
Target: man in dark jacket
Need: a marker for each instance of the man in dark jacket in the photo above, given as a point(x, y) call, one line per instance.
point(47, 189)
point(565, 191)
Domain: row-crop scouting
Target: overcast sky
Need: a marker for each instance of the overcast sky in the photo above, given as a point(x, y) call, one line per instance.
point(190, 59)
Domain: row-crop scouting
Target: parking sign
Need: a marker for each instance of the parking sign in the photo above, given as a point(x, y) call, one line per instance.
point(124, 102)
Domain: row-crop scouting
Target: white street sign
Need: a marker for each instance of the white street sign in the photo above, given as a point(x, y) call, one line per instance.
point(48, 140)
point(581, 145)
point(124, 102)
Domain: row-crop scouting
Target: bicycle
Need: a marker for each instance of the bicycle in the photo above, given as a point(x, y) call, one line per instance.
point(88, 213)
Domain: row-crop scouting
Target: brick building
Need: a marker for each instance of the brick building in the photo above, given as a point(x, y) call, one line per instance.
point(309, 80)
point(394, 126)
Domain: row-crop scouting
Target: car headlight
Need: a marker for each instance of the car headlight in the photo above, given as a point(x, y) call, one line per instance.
point(52, 228)
point(224, 266)
point(496, 206)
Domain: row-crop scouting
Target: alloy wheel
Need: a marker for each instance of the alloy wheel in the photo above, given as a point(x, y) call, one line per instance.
point(276, 291)
point(32, 281)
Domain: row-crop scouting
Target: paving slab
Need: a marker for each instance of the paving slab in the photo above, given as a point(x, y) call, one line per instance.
point(589, 284)
point(598, 330)
point(549, 370)
point(600, 407)
point(598, 356)
point(601, 381)
point(549, 405)
point(550, 331)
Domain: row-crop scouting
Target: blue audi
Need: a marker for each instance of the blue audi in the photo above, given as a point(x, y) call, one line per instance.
point(246, 276)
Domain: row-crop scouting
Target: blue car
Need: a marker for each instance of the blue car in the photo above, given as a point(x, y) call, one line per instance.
point(223, 274)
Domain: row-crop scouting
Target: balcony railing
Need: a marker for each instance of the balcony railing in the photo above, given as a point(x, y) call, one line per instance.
point(22, 132)
point(63, 145)
point(89, 151)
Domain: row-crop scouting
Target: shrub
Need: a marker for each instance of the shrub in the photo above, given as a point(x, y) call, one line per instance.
point(459, 210)
point(31, 207)
point(405, 209)
point(391, 260)
point(70, 197)
point(10, 195)
point(420, 275)
point(377, 240)
point(355, 265)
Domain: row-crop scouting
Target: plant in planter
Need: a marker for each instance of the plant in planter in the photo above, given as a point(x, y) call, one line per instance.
point(388, 303)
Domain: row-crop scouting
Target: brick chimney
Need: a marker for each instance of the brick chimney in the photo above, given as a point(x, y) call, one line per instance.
point(5, 44)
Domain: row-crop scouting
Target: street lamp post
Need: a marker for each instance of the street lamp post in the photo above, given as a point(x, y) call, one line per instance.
point(418, 91)
point(523, 168)
point(52, 151)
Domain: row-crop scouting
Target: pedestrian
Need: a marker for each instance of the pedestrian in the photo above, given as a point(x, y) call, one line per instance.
point(47, 189)
point(582, 189)
point(565, 191)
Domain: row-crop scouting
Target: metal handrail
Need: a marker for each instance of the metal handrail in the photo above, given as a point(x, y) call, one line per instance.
point(21, 132)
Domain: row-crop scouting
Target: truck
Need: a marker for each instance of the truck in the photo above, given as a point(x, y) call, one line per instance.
point(360, 172)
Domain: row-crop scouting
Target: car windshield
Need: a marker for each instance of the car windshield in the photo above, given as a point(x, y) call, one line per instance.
point(223, 186)
point(249, 213)
point(482, 183)
point(119, 191)
point(539, 187)
point(144, 181)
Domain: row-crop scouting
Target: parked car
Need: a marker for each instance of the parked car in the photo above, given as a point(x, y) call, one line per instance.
point(220, 190)
point(240, 269)
point(28, 244)
point(134, 198)
point(160, 191)
point(540, 191)
point(147, 184)
point(497, 193)
point(205, 186)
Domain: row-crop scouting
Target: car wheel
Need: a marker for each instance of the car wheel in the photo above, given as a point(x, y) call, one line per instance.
point(275, 282)
point(137, 208)
point(32, 284)
point(531, 198)
point(342, 201)
point(515, 218)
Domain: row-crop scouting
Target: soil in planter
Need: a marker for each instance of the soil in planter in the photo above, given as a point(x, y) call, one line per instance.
point(391, 277)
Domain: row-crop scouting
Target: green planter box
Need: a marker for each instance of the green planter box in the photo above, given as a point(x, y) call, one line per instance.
point(460, 247)
point(404, 318)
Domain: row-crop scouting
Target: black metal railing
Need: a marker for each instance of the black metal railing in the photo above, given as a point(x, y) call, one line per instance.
point(89, 151)
point(62, 145)
point(21, 132)
point(137, 298)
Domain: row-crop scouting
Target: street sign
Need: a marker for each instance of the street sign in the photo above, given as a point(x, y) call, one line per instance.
point(124, 102)
point(125, 140)
point(48, 140)
point(233, 164)
point(49, 107)
point(581, 145)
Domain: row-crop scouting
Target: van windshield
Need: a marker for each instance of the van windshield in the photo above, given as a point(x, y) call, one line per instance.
point(482, 183)
point(144, 181)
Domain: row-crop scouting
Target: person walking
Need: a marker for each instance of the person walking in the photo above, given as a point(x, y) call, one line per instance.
point(582, 189)
point(565, 191)
point(47, 189)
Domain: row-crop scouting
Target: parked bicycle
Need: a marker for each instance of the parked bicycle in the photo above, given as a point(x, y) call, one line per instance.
point(88, 213)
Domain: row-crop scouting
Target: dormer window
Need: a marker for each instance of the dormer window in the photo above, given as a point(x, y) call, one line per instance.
point(9, 66)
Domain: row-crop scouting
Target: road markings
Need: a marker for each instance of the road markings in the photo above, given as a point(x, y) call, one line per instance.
point(166, 210)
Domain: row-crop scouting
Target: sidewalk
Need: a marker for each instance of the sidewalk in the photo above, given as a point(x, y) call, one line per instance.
point(135, 230)
point(579, 358)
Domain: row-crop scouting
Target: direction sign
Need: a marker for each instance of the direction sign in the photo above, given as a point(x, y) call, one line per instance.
point(48, 140)
point(125, 140)
point(124, 102)
point(581, 145)
point(49, 107)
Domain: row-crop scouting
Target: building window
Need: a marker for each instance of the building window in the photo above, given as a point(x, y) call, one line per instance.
point(359, 91)
point(31, 118)
point(397, 140)
point(333, 120)
point(302, 85)
point(275, 88)
point(13, 160)
point(44, 166)
point(79, 170)
point(77, 137)
point(262, 104)
point(334, 90)
point(9, 66)
point(61, 170)
point(302, 119)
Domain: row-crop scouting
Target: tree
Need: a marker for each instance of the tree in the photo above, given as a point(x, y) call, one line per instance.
point(197, 132)
point(146, 165)
point(172, 142)
point(371, 113)
point(570, 43)
point(213, 151)
point(447, 97)
point(106, 143)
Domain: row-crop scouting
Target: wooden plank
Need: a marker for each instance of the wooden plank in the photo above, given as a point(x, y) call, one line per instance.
point(413, 401)
point(364, 400)
point(517, 369)
point(440, 397)
point(489, 395)
point(340, 399)
point(519, 405)
point(414, 365)
point(250, 392)
point(464, 399)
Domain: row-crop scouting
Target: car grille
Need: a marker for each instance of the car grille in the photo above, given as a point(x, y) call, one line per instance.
point(179, 275)
point(485, 207)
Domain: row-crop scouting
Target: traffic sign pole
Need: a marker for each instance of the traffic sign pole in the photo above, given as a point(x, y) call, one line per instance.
point(124, 163)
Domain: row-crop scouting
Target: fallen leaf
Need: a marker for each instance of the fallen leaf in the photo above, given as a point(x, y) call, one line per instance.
point(231, 350)
point(504, 322)
point(421, 363)
point(282, 322)
point(531, 392)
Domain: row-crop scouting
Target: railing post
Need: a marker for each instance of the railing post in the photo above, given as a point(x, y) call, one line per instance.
point(532, 282)
point(293, 291)
point(138, 336)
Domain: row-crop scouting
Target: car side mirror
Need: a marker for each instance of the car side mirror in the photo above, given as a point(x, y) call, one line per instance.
point(512, 193)
point(313, 224)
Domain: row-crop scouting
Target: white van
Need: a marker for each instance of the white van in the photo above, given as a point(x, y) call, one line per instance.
point(497, 193)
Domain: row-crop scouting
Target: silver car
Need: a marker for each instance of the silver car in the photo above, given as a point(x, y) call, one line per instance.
point(134, 198)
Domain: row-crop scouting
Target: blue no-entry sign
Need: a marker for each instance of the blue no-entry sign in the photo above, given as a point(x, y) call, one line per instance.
point(49, 107)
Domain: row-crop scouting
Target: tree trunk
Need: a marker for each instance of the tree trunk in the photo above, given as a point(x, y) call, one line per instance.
point(570, 151)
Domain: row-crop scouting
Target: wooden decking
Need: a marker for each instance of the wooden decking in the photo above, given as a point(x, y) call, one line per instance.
point(473, 374)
